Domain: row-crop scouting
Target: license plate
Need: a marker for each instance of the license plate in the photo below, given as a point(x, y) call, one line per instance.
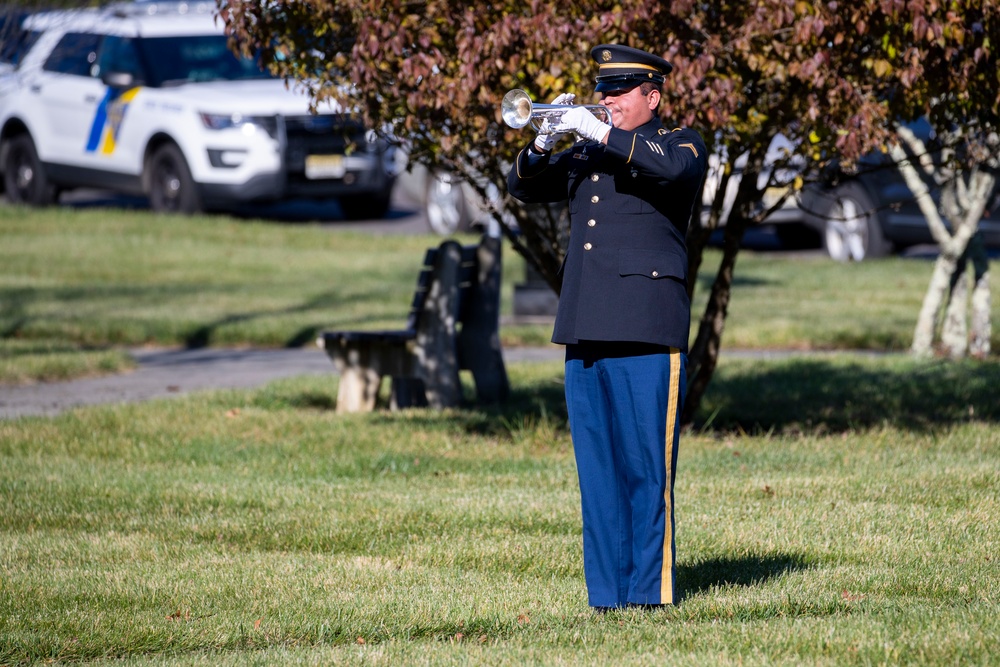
point(325, 166)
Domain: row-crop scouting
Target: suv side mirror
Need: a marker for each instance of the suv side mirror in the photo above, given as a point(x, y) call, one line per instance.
point(118, 79)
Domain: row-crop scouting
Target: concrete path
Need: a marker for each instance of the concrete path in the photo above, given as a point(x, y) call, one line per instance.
point(162, 373)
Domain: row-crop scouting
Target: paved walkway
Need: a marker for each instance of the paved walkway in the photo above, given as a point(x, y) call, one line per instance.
point(170, 372)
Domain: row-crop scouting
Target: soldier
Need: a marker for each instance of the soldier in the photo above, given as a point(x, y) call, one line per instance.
point(624, 315)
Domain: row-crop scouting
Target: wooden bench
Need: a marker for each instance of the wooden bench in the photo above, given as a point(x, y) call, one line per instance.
point(453, 325)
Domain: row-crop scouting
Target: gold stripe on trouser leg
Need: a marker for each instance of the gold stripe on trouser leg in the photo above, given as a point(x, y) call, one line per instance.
point(666, 572)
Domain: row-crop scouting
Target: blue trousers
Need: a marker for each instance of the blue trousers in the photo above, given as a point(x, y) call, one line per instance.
point(624, 402)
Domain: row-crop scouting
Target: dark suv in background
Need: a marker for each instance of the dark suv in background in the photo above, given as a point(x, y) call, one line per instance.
point(871, 212)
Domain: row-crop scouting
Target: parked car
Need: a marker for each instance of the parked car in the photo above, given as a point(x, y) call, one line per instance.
point(146, 98)
point(854, 215)
point(871, 212)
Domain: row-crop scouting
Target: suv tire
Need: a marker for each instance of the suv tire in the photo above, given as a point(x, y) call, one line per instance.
point(171, 188)
point(849, 223)
point(444, 204)
point(24, 176)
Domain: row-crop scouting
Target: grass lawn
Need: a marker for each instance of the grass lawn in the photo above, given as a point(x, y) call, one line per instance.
point(831, 509)
point(836, 512)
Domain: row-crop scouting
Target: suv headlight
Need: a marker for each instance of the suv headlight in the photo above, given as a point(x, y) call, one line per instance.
point(247, 124)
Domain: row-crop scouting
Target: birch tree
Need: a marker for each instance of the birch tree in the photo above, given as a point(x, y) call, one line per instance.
point(935, 59)
point(967, 182)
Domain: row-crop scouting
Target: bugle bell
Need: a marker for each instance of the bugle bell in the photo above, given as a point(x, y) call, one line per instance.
point(518, 110)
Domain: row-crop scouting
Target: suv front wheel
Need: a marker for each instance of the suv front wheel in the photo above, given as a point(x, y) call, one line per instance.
point(24, 177)
point(171, 188)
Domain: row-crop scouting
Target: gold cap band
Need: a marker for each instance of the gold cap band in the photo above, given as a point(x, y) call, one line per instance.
point(610, 66)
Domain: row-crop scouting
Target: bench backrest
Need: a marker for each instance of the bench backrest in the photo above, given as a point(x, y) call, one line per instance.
point(467, 280)
point(424, 280)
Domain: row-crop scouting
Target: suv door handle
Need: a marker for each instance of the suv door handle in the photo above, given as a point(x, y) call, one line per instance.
point(35, 88)
point(89, 99)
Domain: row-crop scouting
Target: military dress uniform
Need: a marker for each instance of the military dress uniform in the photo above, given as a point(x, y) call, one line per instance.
point(624, 315)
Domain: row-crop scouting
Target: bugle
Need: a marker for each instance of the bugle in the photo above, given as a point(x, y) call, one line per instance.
point(518, 110)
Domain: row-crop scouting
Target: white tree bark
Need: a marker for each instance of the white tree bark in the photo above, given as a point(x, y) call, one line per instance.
point(962, 203)
point(954, 332)
point(981, 328)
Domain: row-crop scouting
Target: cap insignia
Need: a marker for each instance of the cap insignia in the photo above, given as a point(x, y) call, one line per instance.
point(606, 55)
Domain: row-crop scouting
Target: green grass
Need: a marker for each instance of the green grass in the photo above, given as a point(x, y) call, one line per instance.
point(836, 511)
point(832, 509)
point(23, 361)
point(97, 281)
point(129, 278)
point(811, 302)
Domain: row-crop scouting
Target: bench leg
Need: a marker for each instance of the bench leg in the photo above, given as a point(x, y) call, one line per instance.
point(358, 389)
point(407, 392)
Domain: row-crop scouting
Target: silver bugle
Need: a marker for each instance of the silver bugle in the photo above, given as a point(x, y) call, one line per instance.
point(518, 110)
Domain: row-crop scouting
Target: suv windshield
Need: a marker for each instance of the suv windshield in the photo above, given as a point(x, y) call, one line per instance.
point(14, 41)
point(177, 60)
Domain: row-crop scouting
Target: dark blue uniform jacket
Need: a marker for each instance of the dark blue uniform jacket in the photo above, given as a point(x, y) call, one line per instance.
point(625, 271)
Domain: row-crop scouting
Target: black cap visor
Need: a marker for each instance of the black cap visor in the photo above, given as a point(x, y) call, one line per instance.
point(624, 81)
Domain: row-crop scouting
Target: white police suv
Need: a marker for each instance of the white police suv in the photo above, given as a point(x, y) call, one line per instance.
point(147, 98)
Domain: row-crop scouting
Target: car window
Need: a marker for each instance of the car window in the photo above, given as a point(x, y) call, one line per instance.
point(175, 60)
point(13, 49)
point(76, 54)
point(118, 54)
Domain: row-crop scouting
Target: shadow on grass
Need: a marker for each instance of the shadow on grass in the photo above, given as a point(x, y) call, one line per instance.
point(16, 304)
point(203, 336)
point(744, 571)
point(804, 394)
point(838, 393)
point(526, 407)
point(811, 394)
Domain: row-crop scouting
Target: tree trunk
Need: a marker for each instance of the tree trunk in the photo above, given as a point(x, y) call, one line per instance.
point(980, 327)
point(964, 206)
point(704, 354)
point(954, 329)
point(937, 292)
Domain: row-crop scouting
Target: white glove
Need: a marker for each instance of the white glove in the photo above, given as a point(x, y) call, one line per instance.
point(548, 138)
point(584, 124)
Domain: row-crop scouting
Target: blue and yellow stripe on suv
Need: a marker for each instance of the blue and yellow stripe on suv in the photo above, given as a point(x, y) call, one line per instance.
point(108, 120)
